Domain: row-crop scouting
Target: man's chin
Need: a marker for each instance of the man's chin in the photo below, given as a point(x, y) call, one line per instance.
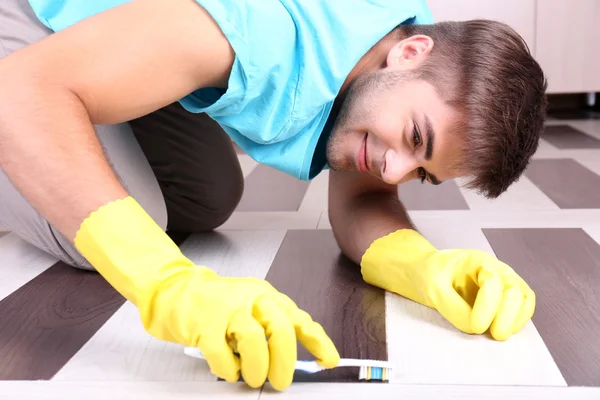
point(340, 165)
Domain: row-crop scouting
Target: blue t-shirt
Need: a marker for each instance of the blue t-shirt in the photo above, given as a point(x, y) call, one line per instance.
point(292, 57)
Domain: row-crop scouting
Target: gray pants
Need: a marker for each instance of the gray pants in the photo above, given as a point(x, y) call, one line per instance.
point(181, 167)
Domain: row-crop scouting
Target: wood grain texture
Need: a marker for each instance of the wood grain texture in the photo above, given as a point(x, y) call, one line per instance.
point(418, 196)
point(46, 321)
point(118, 390)
point(563, 268)
point(123, 351)
point(267, 189)
point(310, 269)
point(428, 350)
point(568, 137)
point(566, 182)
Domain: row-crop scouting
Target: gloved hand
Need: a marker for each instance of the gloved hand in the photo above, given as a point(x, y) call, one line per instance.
point(472, 289)
point(228, 319)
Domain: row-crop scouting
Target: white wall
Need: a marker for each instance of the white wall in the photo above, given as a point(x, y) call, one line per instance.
point(563, 35)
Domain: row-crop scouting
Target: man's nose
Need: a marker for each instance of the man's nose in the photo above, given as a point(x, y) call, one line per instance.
point(398, 167)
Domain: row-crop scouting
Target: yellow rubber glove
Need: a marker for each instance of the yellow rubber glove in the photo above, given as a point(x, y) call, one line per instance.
point(193, 306)
point(472, 289)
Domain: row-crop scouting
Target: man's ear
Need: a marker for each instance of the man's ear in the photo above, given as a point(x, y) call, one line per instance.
point(409, 52)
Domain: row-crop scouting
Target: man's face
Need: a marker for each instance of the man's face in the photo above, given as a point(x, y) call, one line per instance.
point(394, 127)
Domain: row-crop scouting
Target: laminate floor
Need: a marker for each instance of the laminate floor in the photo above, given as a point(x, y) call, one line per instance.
point(64, 333)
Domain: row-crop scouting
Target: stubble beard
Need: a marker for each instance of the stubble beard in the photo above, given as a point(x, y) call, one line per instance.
point(359, 103)
point(357, 93)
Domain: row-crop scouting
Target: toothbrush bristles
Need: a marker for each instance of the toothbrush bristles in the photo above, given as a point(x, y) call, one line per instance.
point(373, 373)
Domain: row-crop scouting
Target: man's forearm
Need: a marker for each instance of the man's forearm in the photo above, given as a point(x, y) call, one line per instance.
point(49, 151)
point(53, 91)
point(361, 219)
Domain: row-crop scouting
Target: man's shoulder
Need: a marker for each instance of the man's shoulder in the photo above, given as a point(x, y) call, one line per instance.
point(288, 72)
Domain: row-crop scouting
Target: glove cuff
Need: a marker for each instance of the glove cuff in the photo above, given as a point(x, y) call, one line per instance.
point(390, 262)
point(125, 245)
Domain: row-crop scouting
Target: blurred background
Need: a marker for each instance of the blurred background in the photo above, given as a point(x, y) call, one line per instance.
point(563, 36)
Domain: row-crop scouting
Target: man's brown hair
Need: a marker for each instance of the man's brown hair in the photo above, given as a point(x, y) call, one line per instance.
point(485, 70)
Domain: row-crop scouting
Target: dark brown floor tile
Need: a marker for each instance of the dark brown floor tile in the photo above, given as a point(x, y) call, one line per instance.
point(563, 268)
point(310, 269)
point(424, 196)
point(568, 137)
point(45, 322)
point(267, 189)
point(565, 181)
point(238, 149)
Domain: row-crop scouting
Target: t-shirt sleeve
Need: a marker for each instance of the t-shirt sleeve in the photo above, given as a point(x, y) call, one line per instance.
point(264, 74)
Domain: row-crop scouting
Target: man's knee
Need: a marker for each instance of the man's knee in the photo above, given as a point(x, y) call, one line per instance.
point(203, 207)
point(225, 202)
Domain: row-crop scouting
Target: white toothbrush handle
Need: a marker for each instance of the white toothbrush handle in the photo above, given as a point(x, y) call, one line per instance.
point(353, 362)
point(313, 365)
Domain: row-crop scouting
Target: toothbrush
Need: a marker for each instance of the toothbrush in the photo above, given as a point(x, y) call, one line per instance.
point(369, 369)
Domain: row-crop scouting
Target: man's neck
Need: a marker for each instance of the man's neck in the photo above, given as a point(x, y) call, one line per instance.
point(372, 61)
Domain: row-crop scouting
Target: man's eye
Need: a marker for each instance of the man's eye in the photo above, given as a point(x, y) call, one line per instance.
point(422, 174)
point(416, 136)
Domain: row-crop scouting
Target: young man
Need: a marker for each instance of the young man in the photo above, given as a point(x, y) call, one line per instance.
point(115, 124)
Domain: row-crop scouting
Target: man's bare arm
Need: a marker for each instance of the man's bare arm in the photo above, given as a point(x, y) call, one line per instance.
point(362, 209)
point(113, 67)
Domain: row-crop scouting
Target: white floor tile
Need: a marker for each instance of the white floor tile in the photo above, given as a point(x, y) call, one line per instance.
point(567, 153)
point(591, 161)
point(427, 349)
point(316, 196)
point(247, 163)
point(46, 390)
point(510, 219)
point(522, 195)
point(272, 220)
point(324, 222)
point(593, 231)
point(545, 146)
point(53, 390)
point(350, 391)
point(235, 253)
point(122, 350)
point(518, 219)
point(20, 263)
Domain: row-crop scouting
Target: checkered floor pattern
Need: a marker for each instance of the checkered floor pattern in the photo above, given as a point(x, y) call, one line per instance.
point(66, 334)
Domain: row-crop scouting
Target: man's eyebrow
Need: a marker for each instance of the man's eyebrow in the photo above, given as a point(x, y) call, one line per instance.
point(430, 138)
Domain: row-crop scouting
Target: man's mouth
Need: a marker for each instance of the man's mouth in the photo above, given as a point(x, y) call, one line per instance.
point(363, 166)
